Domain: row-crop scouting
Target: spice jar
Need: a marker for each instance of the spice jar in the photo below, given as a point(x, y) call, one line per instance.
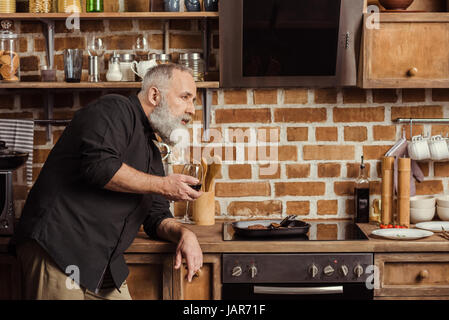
point(41, 6)
point(9, 58)
point(69, 6)
point(126, 61)
point(7, 6)
point(161, 58)
point(114, 73)
point(195, 62)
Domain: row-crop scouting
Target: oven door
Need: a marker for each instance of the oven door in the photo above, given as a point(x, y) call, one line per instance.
point(271, 291)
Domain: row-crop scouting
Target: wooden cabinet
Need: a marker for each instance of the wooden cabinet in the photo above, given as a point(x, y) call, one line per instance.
point(206, 286)
point(405, 51)
point(9, 278)
point(412, 275)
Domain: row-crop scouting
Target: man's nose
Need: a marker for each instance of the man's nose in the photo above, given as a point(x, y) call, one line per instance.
point(191, 108)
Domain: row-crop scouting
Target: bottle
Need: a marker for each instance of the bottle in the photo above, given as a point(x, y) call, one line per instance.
point(94, 5)
point(361, 193)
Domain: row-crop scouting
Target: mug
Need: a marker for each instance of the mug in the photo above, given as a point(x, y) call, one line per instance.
point(171, 5)
point(141, 68)
point(193, 5)
point(438, 148)
point(210, 5)
point(418, 148)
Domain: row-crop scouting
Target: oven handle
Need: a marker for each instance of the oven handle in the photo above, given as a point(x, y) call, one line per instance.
point(298, 290)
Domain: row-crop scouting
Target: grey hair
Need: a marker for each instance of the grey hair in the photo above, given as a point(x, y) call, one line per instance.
point(161, 75)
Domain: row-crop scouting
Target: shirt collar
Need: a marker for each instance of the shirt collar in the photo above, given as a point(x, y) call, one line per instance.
point(142, 116)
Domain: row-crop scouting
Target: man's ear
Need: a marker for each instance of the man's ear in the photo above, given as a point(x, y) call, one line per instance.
point(154, 96)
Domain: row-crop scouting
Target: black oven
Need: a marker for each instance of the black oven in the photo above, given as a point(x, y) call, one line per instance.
point(312, 276)
point(278, 43)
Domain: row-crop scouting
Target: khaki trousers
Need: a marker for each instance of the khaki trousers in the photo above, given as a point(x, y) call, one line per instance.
point(43, 280)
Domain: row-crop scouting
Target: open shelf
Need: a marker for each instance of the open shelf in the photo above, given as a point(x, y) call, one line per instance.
point(111, 15)
point(91, 85)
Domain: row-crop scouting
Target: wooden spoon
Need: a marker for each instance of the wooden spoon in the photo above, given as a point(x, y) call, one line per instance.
point(214, 170)
point(205, 169)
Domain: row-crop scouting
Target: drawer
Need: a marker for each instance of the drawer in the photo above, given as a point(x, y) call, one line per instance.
point(407, 51)
point(413, 275)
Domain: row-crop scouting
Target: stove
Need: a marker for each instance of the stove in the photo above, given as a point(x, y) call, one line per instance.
point(252, 276)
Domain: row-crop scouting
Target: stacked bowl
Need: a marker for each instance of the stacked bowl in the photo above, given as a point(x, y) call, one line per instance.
point(422, 208)
point(443, 208)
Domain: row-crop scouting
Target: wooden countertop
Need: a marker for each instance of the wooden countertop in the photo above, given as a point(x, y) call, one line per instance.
point(211, 240)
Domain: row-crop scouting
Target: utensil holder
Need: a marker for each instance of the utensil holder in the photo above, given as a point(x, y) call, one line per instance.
point(203, 209)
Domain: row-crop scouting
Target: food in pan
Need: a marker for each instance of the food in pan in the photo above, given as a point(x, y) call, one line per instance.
point(272, 225)
point(257, 227)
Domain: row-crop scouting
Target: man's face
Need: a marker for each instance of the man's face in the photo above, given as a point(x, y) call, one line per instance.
point(181, 96)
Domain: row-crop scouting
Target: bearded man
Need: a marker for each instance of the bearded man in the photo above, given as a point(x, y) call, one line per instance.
point(103, 179)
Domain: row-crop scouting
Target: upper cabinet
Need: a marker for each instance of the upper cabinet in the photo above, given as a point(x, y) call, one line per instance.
point(405, 50)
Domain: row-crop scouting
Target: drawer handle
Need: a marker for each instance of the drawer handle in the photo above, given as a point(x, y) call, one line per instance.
point(412, 72)
point(423, 274)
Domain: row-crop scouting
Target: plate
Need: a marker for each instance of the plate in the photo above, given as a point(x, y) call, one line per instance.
point(402, 234)
point(434, 226)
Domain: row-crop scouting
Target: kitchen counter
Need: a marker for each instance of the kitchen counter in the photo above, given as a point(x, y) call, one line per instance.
point(211, 240)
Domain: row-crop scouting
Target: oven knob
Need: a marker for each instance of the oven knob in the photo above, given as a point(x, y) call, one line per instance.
point(328, 270)
point(344, 270)
point(253, 271)
point(237, 271)
point(313, 270)
point(358, 270)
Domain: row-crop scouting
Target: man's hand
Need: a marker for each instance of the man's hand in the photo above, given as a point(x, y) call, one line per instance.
point(189, 248)
point(176, 187)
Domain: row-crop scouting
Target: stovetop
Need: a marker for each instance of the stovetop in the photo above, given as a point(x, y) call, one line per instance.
point(319, 231)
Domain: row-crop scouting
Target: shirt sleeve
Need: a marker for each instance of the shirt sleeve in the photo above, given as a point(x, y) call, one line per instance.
point(158, 211)
point(107, 131)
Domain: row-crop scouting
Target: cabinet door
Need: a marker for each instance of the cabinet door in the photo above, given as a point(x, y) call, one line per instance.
point(9, 278)
point(406, 51)
point(205, 286)
point(150, 276)
point(412, 275)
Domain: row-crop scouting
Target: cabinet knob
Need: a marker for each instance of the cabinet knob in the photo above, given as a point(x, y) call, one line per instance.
point(412, 72)
point(423, 274)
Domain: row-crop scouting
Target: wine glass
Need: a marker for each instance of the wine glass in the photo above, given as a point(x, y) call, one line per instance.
point(194, 170)
point(141, 47)
point(95, 46)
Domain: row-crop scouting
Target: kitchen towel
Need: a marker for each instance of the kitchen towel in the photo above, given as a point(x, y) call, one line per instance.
point(19, 135)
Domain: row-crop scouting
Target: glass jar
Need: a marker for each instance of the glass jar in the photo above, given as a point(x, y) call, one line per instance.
point(9, 58)
point(41, 6)
point(7, 6)
point(126, 61)
point(195, 62)
point(69, 6)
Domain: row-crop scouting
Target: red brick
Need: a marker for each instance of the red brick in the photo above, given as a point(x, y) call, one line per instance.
point(120, 25)
point(363, 114)
point(384, 95)
point(307, 115)
point(242, 115)
point(70, 42)
point(417, 129)
point(40, 138)
point(375, 187)
point(327, 207)
point(181, 24)
point(354, 95)
point(298, 207)
point(30, 27)
point(255, 208)
point(94, 25)
point(185, 41)
point(121, 42)
point(328, 170)
point(413, 95)
point(350, 207)
point(39, 45)
point(375, 152)
point(441, 169)
point(353, 170)
point(299, 188)
point(416, 112)
point(239, 171)
point(298, 134)
point(285, 153)
point(14, 115)
point(356, 134)
point(429, 187)
point(326, 95)
point(440, 129)
point(235, 97)
point(265, 96)
point(440, 94)
point(40, 155)
point(295, 96)
point(424, 166)
point(327, 152)
point(298, 170)
point(6, 101)
point(30, 63)
point(36, 172)
point(384, 133)
point(150, 24)
point(269, 171)
point(326, 133)
point(237, 189)
point(344, 188)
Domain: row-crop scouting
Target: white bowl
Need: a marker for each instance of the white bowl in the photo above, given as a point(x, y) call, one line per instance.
point(422, 202)
point(443, 213)
point(443, 201)
point(421, 215)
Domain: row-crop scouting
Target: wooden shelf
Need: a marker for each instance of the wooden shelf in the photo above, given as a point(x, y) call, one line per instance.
point(111, 15)
point(91, 85)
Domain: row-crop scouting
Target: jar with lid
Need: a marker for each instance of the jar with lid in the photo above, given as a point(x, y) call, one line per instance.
point(114, 73)
point(195, 62)
point(69, 6)
point(41, 6)
point(9, 58)
point(7, 6)
point(161, 58)
point(126, 60)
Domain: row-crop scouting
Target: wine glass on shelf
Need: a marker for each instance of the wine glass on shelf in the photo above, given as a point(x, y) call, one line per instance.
point(141, 48)
point(95, 48)
point(194, 170)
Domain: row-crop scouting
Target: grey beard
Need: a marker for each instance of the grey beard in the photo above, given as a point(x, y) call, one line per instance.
point(164, 123)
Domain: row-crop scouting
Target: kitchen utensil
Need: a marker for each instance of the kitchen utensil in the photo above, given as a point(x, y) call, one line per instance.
point(214, 169)
point(421, 215)
point(435, 226)
point(444, 234)
point(402, 234)
point(73, 64)
point(298, 227)
point(205, 170)
point(418, 148)
point(443, 213)
point(438, 148)
point(396, 4)
point(387, 190)
point(422, 202)
point(288, 220)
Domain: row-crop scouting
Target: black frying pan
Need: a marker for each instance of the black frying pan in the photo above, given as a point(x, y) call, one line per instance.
point(297, 227)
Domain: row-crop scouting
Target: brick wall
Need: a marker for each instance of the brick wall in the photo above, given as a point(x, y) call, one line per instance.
point(321, 133)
